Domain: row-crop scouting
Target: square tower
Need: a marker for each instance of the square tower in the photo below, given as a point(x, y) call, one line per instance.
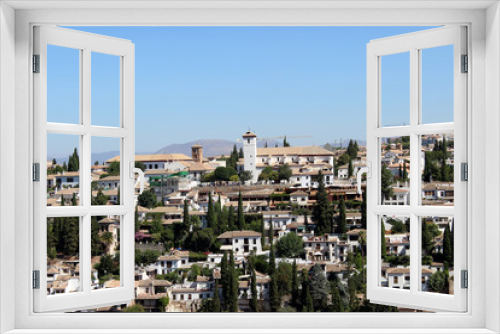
point(250, 153)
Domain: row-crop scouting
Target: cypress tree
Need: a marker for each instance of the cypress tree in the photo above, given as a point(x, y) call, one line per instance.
point(211, 213)
point(342, 217)
point(295, 286)
point(224, 218)
point(137, 224)
point(233, 285)
point(382, 237)
point(307, 302)
point(263, 233)
point(337, 304)
point(274, 297)
point(321, 208)
point(186, 220)
point(225, 280)
point(363, 211)
point(218, 215)
point(271, 231)
point(447, 253)
point(306, 221)
point(241, 216)
point(350, 168)
point(272, 261)
point(217, 307)
point(240, 154)
point(405, 172)
point(73, 200)
point(253, 287)
point(64, 166)
point(231, 225)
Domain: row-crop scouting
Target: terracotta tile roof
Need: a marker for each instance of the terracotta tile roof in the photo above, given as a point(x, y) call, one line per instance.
point(293, 150)
point(238, 234)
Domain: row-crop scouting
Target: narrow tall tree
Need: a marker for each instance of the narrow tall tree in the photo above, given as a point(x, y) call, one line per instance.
point(363, 210)
point(225, 280)
point(274, 296)
point(295, 286)
point(234, 285)
point(253, 289)
point(342, 217)
point(382, 237)
point(211, 218)
point(217, 307)
point(241, 215)
point(307, 302)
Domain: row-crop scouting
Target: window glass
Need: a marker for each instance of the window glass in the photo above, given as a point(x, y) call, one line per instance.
point(395, 89)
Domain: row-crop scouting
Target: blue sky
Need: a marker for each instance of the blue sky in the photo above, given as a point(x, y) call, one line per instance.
point(217, 82)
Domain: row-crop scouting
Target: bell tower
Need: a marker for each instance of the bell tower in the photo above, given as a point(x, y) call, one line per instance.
point(250, 153)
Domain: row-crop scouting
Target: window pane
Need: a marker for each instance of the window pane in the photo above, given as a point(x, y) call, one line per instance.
point(395, 170)
point(438, 169)
point(105, 248)
point(395, 90)
point(63, 85)
point(105, 90)
point(63, 249)
point(437, 254)
point(395, 260)
point(437, 84)
point(63, 170)
point(105, 173)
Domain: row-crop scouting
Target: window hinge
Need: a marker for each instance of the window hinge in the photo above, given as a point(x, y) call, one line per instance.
point(464, 171)
point(36, 279)
point(36, 63)
point(36, 172)
point(465, 279)
point(465, 64)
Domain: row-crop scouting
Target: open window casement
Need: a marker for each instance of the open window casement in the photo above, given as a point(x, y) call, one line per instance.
point(438, 199)
point(71, 270)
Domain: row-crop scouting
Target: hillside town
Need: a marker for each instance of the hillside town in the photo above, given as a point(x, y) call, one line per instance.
point(261, 229)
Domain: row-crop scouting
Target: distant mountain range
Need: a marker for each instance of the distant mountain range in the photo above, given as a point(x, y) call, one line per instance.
point(211, 147)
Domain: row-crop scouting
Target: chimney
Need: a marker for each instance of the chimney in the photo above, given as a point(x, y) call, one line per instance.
point(197, 153)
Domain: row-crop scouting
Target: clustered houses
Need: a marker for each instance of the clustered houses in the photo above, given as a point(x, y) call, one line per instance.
point(174, 278)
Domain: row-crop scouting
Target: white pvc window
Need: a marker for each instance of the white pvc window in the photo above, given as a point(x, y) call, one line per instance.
point(74, 210)
point(420, 198)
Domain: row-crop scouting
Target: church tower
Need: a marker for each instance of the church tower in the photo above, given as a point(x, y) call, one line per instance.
point(197, 153)
point(250, 153)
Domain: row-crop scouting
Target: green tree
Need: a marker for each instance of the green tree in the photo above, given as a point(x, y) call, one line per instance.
point(217, 307)
point(136, 308)
point(274, 297)
point(224, 220)
point(321, 210)
point(386, 183)
point(225, 280)
point(405, 172)
point(211, 218)
point(447, 249)
point(382, 241)
point(245, 175)
point(240, 153)
point(437, 281)
point(295, 286)
point(64, 166)
point(74, 161)
point(54, 162)
point(429, 232)
point(318, 286)
point(137, 223)
point(95, 240)
point(350, 170)
point(163, 303)
point(241, 215)
point(290, 246)
point(231, 219)
point(262, 233)
point(337, 303)
point(73, 200)
point(254, 306)
point(283, 277)
point(285, 143)
point(284, 172)
point(342, 228)
point(363, 211)
point(147, 199)
point(272, 261)
point(107, 239)
point(307, 301)
point(234, 285)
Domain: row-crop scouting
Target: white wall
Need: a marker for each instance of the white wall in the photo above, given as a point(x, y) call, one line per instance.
point(7, 171)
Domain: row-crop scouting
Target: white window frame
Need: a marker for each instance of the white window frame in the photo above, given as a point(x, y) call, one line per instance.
point(413, 43)
point(86, 44)
point(484, 103)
